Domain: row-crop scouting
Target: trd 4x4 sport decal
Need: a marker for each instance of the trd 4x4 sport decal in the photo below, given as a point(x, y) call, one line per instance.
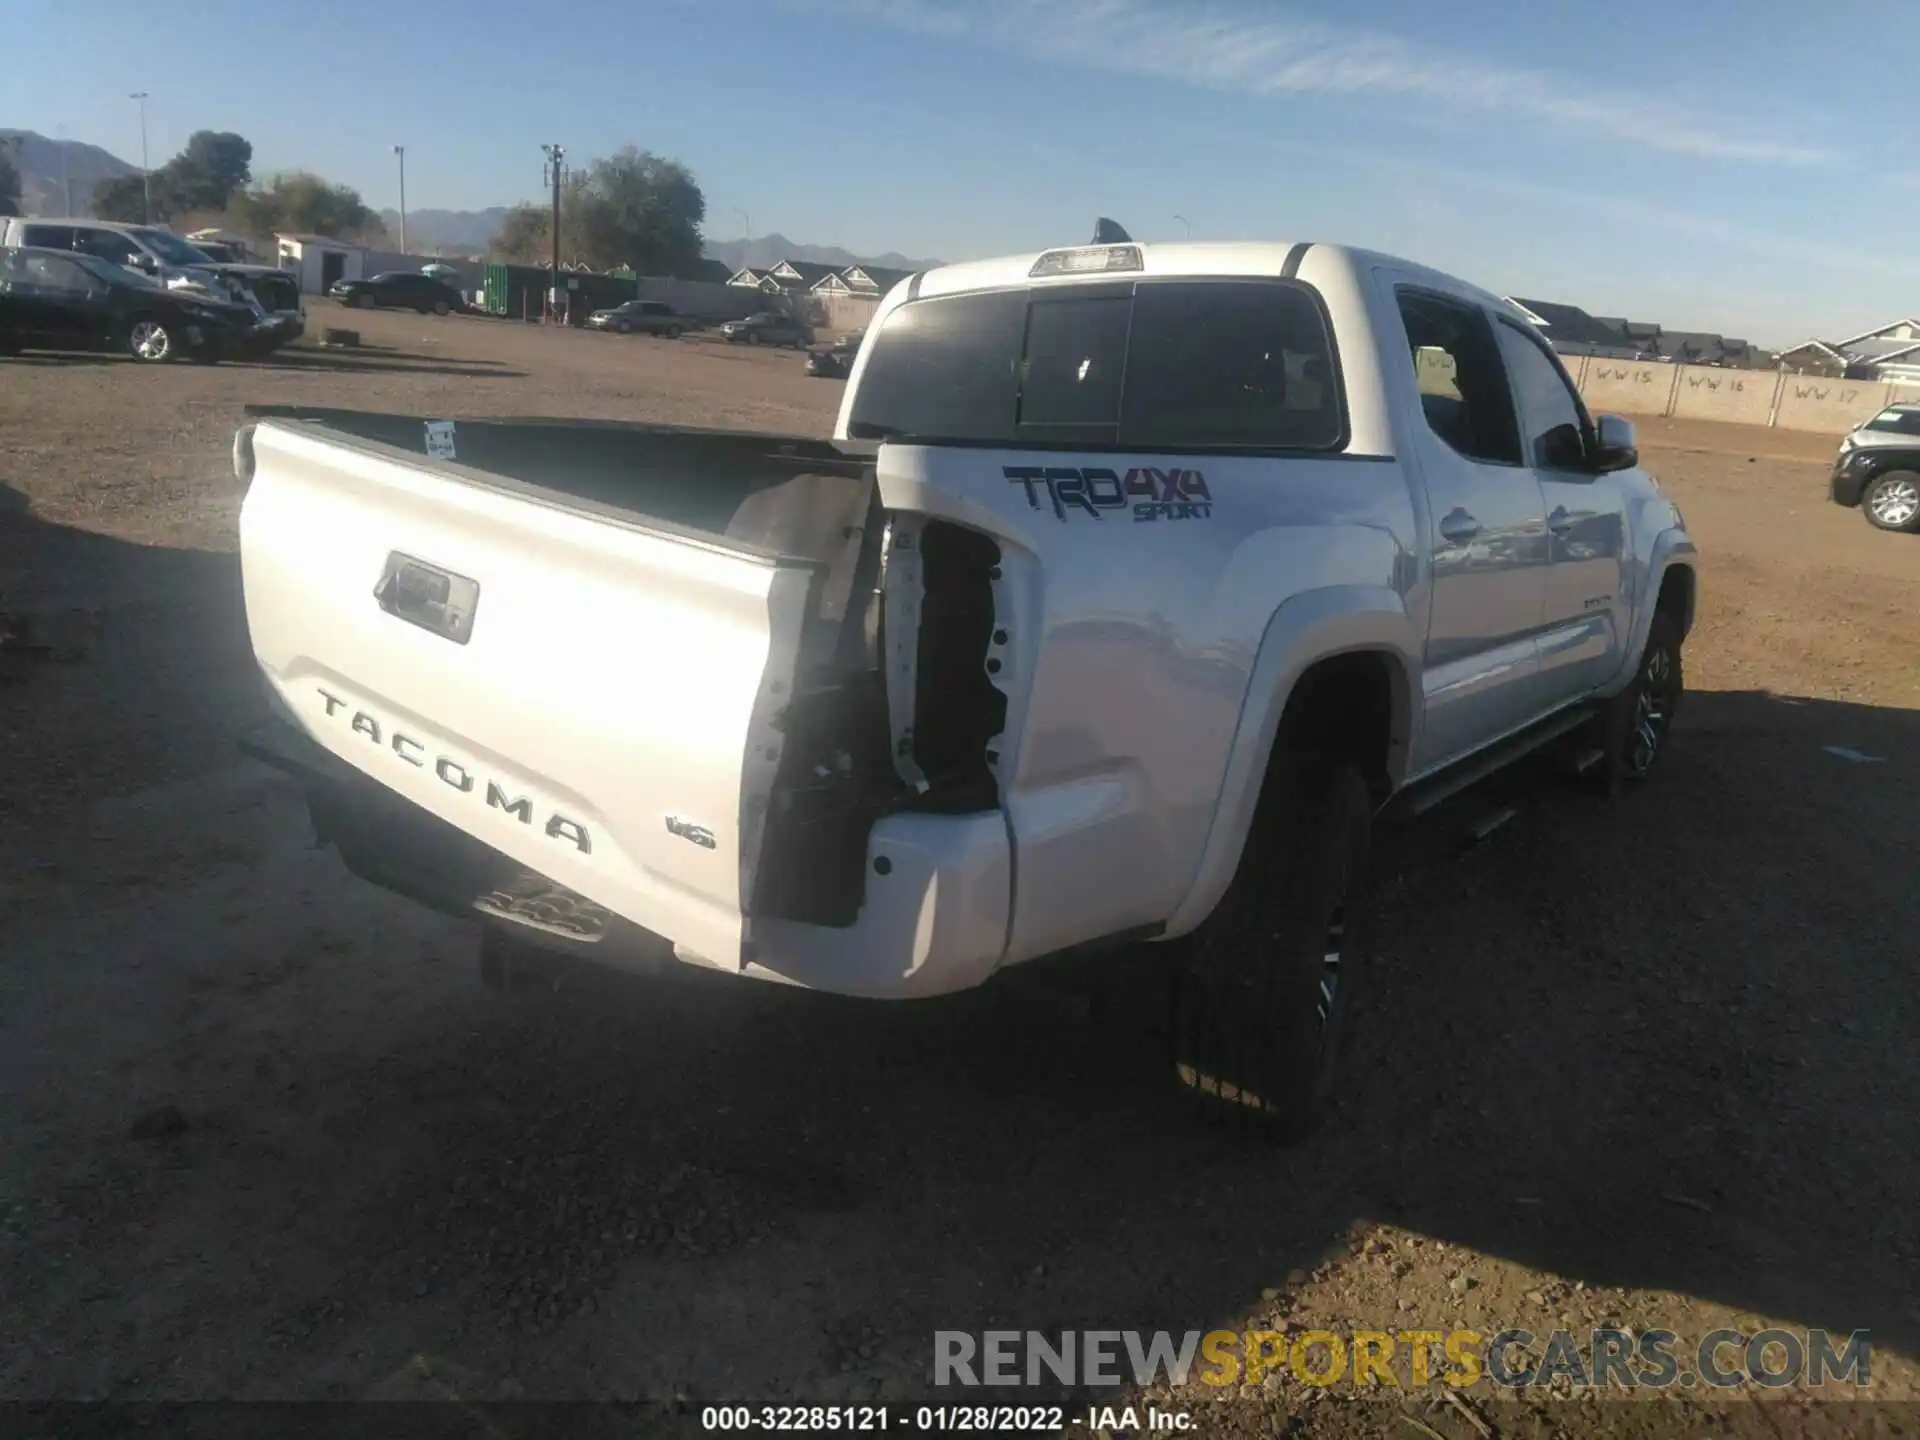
point(1152, 494)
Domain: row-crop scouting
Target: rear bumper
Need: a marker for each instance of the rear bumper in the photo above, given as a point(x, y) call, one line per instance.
point(935, 919)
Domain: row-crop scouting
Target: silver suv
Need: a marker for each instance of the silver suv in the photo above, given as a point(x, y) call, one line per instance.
point(172, 261)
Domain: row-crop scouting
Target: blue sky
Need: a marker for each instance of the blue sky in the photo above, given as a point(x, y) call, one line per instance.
point(1731, 165)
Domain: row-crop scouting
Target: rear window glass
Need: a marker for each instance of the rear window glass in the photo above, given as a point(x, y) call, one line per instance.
point(1163, 365)
point(1076, 359)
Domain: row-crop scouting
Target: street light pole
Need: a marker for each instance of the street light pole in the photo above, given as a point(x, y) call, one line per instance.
point(1183, 220)
point(746, 223)
point(401, 151)
point(556, 156)
point(146, 175)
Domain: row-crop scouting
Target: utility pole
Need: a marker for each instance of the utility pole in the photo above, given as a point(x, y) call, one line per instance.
point(146, 175)
point(556, 173)
point(401, 151)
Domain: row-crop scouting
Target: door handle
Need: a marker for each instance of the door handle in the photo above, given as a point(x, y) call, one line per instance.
point(1459, 527)
point(1561, 520)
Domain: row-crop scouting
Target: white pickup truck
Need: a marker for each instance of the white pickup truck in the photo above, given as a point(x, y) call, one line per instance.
point(1137, 579)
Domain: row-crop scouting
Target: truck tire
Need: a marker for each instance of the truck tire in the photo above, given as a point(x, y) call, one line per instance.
point(1263, 985)
point(1892, 501)
point(1636, 723)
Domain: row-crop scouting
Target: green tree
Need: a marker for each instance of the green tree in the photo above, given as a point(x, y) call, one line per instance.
point(644, 211)
point(122, 198)
point(522, 237)
point(207, 174)
point(297, 200)
point(632, 208)
point(9, 177)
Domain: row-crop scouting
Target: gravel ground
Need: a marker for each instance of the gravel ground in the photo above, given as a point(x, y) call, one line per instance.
point(1647, 1061)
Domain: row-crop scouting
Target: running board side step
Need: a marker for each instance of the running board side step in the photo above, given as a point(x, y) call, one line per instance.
point(1429, 793)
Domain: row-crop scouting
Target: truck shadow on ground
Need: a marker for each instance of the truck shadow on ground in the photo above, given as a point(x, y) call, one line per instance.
point(371, 360)
point(161, 680)
point(1662, 1042)
point(44, 358)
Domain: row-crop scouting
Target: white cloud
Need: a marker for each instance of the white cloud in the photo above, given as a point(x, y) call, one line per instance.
point(1220, 47)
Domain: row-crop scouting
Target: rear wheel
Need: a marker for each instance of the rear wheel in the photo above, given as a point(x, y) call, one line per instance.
point(1264, 984)
point(1892, 501)
point(440, 307)
point(150, 342)
point(673, 332)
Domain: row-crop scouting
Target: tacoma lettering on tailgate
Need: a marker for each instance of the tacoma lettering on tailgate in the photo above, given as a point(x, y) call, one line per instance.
point(452, 772)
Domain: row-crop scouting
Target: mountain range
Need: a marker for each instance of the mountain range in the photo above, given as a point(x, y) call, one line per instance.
point(468, 231)
point(50, 169)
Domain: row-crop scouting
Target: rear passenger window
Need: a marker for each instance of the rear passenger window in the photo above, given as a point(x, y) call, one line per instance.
point(48, 237)
point(1462, 383)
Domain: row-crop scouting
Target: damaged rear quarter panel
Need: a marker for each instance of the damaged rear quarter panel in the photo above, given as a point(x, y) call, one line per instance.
point(1129, 649)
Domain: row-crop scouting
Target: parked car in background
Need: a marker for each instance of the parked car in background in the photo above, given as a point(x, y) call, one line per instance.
point(836, 361)
point(60, 300)
point(647, 317)
point(399, 290)
point(175, 264)
point(1878, 470)
point(767, 328)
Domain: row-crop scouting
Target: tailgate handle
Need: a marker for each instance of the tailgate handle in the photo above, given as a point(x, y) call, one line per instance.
point(425, 595)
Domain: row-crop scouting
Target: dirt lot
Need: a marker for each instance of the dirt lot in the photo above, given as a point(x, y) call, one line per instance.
point(1650, 1061)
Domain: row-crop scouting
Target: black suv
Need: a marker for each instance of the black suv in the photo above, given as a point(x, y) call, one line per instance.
point(1878, 469)
point(59, 300)
point(399, 290)
point(767, 328)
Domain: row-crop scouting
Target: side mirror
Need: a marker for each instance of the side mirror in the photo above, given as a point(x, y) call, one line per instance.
point(1617, 448)
point(146, 262)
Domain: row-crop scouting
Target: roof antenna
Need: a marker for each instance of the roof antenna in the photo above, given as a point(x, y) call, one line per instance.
point(1109, 232)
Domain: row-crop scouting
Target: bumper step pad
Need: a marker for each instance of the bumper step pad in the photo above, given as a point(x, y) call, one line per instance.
point(539, 904)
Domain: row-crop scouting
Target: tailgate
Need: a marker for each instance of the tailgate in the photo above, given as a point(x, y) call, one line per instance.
point(590, 695)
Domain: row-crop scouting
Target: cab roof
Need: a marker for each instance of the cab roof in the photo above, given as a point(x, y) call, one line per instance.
point(1250, 259)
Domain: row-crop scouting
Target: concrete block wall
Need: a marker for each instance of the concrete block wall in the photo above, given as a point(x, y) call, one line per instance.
point(1739, 397)
point(710, 300)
